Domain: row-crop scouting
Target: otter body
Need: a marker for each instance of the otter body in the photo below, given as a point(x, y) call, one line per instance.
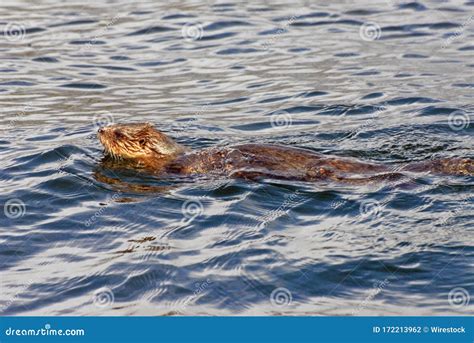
point(158, 153)
point(256, 160)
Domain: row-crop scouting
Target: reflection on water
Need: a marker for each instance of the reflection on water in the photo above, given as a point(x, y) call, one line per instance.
point(389, 82)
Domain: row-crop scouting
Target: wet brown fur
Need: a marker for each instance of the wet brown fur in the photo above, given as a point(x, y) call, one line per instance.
point(153, 150)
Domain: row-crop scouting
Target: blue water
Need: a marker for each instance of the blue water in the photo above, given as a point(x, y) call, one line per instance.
point(390, 82)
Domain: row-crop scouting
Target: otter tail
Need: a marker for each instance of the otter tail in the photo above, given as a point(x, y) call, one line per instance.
point(447, 166)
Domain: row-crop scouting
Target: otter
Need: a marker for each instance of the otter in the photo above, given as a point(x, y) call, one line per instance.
point(149, 149)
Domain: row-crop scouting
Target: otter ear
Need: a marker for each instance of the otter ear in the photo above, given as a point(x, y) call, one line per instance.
point(144, 130)
point(142, 142)
point(119, 134)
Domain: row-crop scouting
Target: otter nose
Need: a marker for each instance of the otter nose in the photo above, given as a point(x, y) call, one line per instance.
point(101, 130)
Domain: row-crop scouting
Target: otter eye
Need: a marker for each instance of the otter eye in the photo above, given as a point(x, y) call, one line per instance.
point(142, 141)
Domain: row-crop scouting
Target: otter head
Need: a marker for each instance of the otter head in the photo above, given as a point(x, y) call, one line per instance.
point(137, 141)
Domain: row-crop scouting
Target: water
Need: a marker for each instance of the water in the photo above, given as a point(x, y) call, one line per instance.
point(389, 82)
